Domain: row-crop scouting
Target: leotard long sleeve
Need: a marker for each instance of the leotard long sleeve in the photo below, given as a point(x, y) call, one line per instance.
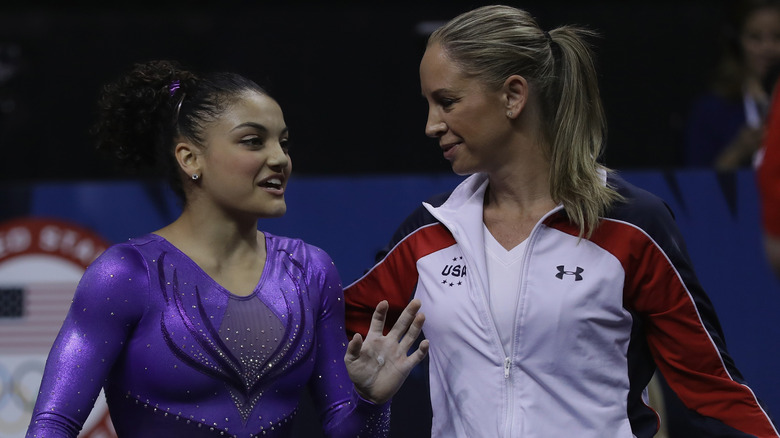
point(179, 355)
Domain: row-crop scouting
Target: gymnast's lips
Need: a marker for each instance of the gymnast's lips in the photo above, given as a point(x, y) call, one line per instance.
point(273, 184)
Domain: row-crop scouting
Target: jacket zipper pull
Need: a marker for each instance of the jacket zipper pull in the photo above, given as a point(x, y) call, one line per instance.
point(507, 365)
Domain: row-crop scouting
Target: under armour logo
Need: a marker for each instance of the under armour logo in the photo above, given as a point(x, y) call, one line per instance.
point(562, 271)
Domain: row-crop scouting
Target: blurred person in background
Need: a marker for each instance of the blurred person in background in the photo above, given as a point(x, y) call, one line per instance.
point(768, 177)
point(726, 124)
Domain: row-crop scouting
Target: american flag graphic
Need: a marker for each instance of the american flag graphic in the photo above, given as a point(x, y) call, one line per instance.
point(41, 261)
point(31, 316)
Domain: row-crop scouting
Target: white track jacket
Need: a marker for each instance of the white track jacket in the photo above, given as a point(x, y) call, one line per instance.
point(593, 319)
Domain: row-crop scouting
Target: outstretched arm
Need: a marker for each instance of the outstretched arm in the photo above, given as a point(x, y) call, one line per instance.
point(380, 364)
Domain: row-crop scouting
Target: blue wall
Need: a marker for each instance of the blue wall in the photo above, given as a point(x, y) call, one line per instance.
point(353, 216)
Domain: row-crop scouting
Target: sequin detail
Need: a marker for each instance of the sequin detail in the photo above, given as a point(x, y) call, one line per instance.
point(214, 353)
point(178, 355)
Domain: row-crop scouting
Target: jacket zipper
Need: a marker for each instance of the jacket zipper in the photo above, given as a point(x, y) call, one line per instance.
point(509, 408)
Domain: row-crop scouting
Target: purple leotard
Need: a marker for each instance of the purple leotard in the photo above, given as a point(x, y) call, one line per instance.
point(180, 356)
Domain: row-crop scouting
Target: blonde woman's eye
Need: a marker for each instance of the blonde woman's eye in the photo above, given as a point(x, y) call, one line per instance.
point(447, 103)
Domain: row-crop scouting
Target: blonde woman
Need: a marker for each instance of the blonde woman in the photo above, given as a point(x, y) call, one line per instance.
point(553, 288)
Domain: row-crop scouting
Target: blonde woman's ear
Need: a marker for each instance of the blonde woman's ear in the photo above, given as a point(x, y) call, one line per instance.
point(515, 95)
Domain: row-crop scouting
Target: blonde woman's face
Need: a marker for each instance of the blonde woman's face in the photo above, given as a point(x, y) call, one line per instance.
point(468, 120)
point(760, 41)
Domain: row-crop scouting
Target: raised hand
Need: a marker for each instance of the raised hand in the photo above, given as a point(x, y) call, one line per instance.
point(379, 364)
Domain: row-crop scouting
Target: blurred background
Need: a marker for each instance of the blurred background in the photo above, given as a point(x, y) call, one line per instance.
point(346, 76)
point(345, 72)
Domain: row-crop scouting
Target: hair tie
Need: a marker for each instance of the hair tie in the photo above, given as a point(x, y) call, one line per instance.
point(174, 85)
point(549, 38)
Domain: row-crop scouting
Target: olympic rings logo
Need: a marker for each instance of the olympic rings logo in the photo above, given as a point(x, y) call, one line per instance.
point(18, 392)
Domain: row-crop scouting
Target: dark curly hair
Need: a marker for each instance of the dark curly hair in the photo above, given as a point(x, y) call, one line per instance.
point(142, 114)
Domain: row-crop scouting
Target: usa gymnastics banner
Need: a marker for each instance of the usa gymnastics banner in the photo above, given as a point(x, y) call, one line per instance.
point(41, 262)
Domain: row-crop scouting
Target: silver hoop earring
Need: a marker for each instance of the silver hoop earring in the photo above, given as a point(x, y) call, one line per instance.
point(195, 176)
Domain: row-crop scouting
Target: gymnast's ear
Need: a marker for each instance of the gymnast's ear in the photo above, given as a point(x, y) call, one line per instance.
point(189, 158)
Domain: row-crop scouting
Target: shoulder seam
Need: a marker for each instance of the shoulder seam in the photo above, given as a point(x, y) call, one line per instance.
point(406, 237)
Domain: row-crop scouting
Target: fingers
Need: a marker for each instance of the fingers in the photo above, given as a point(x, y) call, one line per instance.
point(419, 354)
point(353, 348)
point(413, 333)
point(378, 319)
point(406, 319)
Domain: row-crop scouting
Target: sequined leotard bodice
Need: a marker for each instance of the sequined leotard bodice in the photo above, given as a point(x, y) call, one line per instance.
point(179, 355)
